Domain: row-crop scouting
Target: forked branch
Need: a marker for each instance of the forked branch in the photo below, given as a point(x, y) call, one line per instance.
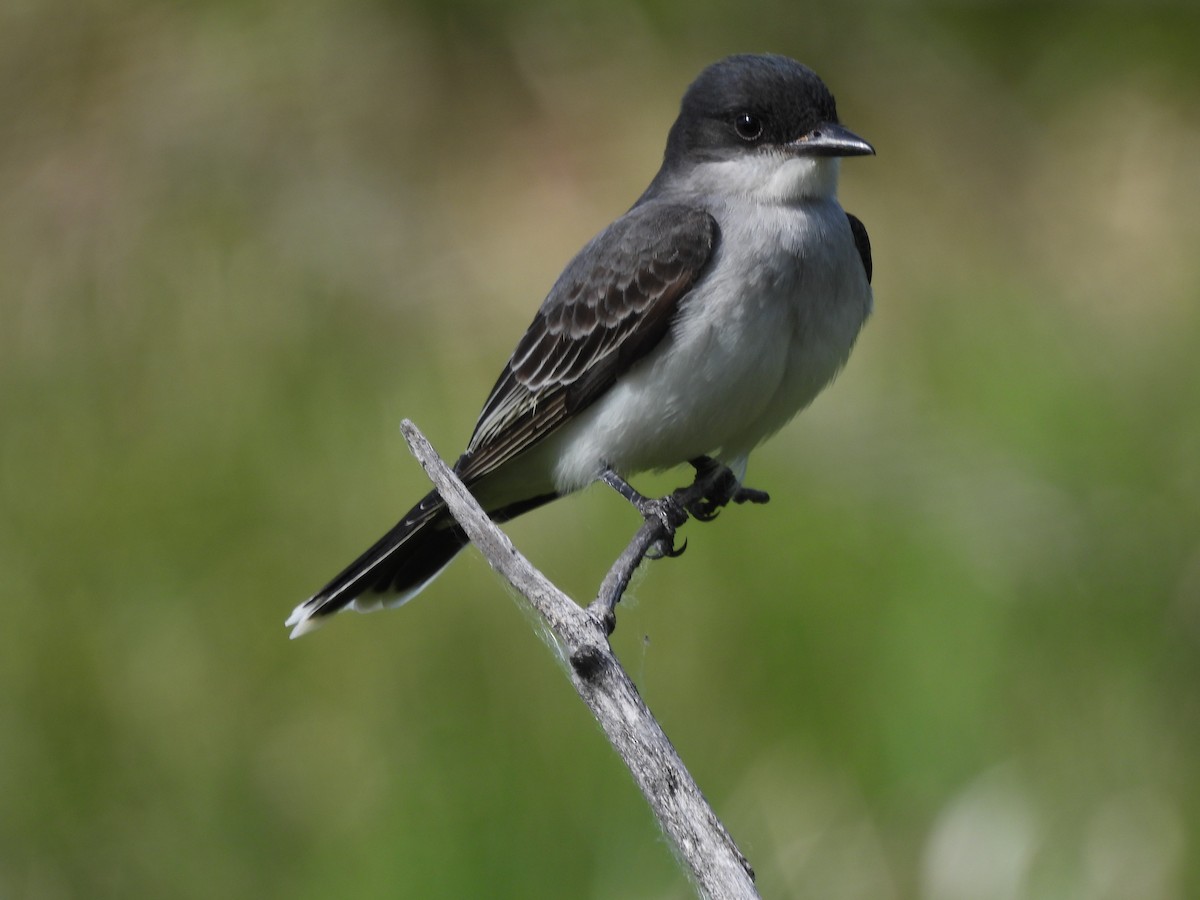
point(700, 841)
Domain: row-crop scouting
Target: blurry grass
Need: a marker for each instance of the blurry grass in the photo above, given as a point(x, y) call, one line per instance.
point(239, 245)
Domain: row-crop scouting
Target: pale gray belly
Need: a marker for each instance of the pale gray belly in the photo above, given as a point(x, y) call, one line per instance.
point(756, 341)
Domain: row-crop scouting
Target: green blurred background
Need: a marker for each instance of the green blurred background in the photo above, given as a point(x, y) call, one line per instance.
point(958, 656)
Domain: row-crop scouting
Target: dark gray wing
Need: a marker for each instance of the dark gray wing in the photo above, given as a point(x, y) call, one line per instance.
point(862, 242)
point(612, 304)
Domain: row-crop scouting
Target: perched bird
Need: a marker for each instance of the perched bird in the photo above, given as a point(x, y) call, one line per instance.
point(696, 324)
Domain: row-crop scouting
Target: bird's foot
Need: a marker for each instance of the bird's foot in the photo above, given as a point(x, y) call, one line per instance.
point(669, 511)
point(714, 488)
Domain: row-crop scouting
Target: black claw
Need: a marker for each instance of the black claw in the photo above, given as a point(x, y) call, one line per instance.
point(704, 511)
point(666, 549)
point(662, 550)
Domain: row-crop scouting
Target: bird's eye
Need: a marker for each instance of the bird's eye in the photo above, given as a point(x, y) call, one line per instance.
point(749, 127)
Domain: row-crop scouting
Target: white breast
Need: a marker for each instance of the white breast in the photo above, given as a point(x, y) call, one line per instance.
point(756, 340)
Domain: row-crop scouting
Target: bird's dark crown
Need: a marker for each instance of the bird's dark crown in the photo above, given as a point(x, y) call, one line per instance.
point(782, 96)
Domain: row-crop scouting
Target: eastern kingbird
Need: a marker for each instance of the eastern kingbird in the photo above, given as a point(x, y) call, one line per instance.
point(696, 324)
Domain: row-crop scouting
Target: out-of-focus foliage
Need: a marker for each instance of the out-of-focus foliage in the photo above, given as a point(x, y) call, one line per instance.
point(957, 656)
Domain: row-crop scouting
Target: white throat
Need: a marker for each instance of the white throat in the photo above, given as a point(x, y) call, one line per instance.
point(767, 177)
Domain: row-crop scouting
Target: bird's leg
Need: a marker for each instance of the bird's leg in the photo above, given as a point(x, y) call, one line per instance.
point(666, 510)
point(715, 486)
point(655, 539)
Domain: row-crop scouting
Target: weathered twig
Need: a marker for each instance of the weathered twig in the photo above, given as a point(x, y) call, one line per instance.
point(700, 840)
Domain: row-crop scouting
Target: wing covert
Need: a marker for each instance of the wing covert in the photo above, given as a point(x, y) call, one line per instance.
point(612, 304)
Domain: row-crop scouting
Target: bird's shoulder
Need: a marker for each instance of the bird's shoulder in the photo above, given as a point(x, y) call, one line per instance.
point(633, 259)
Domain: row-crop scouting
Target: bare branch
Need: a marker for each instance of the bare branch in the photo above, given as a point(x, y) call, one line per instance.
point(699, 839)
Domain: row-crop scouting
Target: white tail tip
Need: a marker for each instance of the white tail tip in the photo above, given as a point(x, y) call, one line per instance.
point(301, 621)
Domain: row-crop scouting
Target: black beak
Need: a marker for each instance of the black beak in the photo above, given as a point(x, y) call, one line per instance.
point(830, 139)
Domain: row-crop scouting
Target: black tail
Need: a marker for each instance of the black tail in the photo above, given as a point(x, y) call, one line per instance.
point(399, 564)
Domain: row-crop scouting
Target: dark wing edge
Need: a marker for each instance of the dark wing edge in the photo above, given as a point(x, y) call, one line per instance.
point(863, 242)
point(611, 306)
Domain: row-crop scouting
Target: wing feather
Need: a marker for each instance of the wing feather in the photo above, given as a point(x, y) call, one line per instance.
point(613, 303)
point(862, 242)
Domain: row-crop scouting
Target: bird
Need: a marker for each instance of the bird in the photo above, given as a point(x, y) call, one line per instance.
point(692, 327)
